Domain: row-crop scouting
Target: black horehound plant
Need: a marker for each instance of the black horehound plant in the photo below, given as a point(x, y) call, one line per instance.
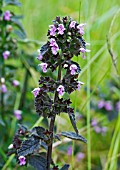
point(65, 40)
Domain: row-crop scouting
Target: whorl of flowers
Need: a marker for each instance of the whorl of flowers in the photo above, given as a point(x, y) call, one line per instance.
point(65, 40)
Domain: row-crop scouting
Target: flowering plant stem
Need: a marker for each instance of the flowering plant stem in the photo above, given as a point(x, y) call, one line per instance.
point(2, 97)
point(52, 122)
point(2, 75)
point(24, 89)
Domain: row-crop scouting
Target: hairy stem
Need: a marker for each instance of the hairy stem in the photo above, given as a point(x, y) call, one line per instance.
point(52, 122)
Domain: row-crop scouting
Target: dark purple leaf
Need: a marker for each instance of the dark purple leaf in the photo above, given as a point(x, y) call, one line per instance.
point(73, 136)
point(65, 167)
point(38, 131)
point(28, 146)
point(38, 162)
point(73, 121)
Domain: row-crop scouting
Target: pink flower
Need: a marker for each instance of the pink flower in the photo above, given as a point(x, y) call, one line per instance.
point(52, 42)
point(7, 15)
point(54, 46)
point(73, 69)
point(79, 85)
point(69, 151)
point(94, 122)
point(22, 160)
point(55, 49)
point(97, 129)
point(6, 54)
point(101, 104)
point(118, 106)
point(80, 28)
point(15, 83)
point(72, 24)
point(17, 114)
point(39, 55)
point(36, 91)
point(108, 106)
point(80, 156)
point(104, 129)
point(44, 67)
point(83, 51)
point(60, 90)
point(52, 30)
point(61, 29)
point(3, 88)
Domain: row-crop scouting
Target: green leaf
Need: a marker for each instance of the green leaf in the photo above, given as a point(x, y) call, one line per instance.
point(65, 167)
point(2, 122)
point(20, 34)
point(73, 121)
point(73, 136)
point(38, 162)
point(28, 146)
point(11, 67)
point(12, 2)
point(15, 20)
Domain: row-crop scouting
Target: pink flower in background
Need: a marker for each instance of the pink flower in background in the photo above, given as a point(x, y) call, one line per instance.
point(101, 104)
point(94, 122)
point(80, 116)
point(3, 88)
point(61, 29)
point(36, 91)
point(6, 54)
point(73, 69)
point(69, 151)
point(83, 52)
point(80, 156)
point(79, 85)
point(72, 24)
point(18, 114)
point(44, 67)
point(118, 106)
point(108, 106)
point(16, 83)
point(7, 15)
point(97, 129)
point(80, 28)
point(60, 90)
point(22, 160)
point(52, 30)
point(104, 129)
